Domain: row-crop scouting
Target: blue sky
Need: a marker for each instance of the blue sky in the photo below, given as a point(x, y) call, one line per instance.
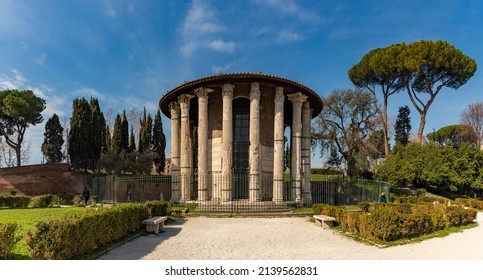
point(129, 53)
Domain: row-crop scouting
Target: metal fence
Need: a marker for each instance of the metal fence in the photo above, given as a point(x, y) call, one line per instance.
point(334, 190)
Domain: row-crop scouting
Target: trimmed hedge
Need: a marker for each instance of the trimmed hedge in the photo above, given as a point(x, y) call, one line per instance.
point(158, 207)
point(82, 232)
point(14, 201)
point(390, 222)
point(471, 202)
point(8, 238)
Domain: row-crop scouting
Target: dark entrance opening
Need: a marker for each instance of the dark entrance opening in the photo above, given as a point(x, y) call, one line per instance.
point(241, 146)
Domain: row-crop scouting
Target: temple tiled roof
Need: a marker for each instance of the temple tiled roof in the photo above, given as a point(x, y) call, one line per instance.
point(189, 86)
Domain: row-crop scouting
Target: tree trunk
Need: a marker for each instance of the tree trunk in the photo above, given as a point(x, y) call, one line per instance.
point(18, 152)
point(422, 123)
point(384, 129)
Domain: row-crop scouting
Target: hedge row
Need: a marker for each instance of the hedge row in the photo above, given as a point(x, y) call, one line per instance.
point(471, 202)
point(9, 236)
point(82, 232)
point(390, 222)
point(42, 201)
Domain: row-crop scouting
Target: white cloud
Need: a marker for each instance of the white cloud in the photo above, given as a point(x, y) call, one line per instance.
point(222, 46)
point(89, 92)
point(40, 60)
point(199, 28)
point(289, 8)
point(289, 36)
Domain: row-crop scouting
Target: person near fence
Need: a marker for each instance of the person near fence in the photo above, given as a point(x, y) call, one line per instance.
point(383, 198)
point(86, 194)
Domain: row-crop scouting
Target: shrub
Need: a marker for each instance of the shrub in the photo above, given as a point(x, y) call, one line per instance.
point(384, 223)
point(416, 224)
point(63, 199)
point(41, 201)
point(11, 201)
point(158, 207)
point(455, 216)
point(82, 232)
point(364, 206)
point(78, 199)
point(8, 238)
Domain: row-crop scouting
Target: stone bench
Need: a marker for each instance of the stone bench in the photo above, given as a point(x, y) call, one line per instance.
point(324, 221)
point(155, 224)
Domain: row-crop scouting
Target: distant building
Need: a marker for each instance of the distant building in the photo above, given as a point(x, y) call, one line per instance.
point(167, 166)
point(241, 120)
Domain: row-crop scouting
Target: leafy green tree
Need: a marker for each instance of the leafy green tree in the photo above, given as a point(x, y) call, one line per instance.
point(403, 126)
point(429, 66)
point(79, 134)
point(455, 135)
point(18, 110)
point(380, 68)
point(53, 140)
point(159, 143)
point(346, 122)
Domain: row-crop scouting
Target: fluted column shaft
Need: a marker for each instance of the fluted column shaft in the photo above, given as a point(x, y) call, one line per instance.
point(255, 148)
point(175, 151)
point(185, 156)
point(202, 94)
point(227, 142)
point(296, 176)
point(306, 131)
point(278, 145)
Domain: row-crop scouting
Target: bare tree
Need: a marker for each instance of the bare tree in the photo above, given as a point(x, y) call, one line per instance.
point(473, 117)
point(9, 157)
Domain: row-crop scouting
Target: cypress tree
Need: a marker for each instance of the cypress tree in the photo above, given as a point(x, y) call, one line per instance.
point(124, 133)
point(132, 141)
point(116, 144)
point(97, 133)
point(79, 134)
point(145, 133)
point(53, 140)
point(159, 142)
point(107, 139)
point(403, 126)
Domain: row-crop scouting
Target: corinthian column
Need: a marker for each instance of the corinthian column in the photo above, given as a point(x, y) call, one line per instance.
point(175, 115)
point(185, 157)
point(227, 142)
point(296, 176)
point(202, 94)
point(278, 141)
point(306, 131)
point(254, 156)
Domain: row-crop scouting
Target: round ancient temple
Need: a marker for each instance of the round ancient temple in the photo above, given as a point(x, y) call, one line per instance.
point(227, 138)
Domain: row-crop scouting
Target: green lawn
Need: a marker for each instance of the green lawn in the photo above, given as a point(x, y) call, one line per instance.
point(27, 219)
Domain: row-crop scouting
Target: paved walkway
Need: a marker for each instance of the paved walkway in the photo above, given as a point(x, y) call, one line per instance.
point(201, 238)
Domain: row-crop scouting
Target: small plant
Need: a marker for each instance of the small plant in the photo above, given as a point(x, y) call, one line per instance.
point(364, 206)
point(13, 193)
point(8, 238)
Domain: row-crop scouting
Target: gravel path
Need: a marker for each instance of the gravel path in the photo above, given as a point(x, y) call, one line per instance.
point(204, 238)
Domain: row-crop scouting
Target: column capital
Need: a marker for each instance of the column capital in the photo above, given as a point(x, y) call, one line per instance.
point(297, 98)
point(279, 97)
point(184, 101)
point(227, 90)
point(174, 109)
point(202, 93)
point(255, 91)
